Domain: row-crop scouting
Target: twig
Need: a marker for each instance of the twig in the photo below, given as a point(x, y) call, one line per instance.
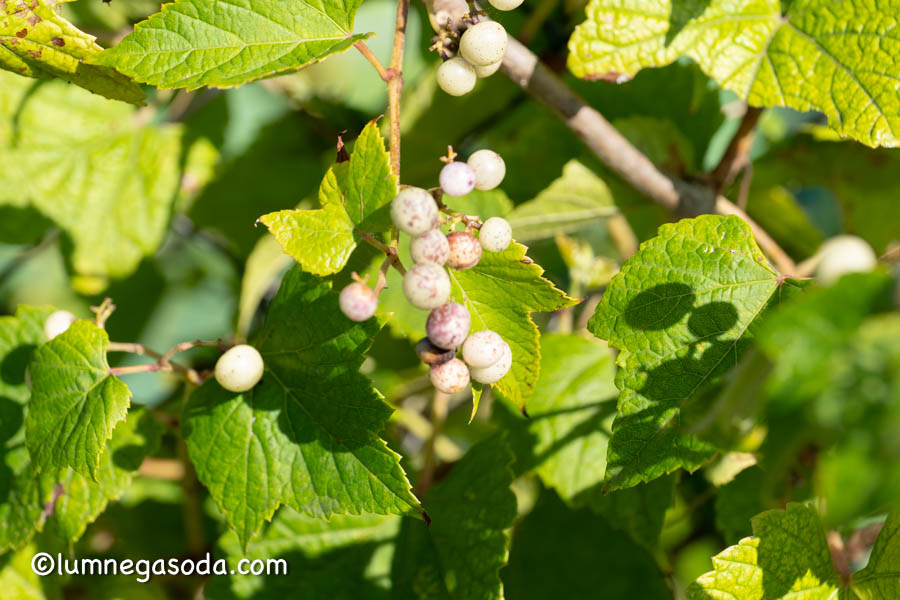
point(469, 221)
point(382, 274)
point(390, 251)
point(395, 85)
point(385, 74)
point(839, 557)
point(744, 190)
point(103, 312)
point(163, 361)
point(439, 408)
point(678, 196)
point(737, 155)
point(161, 468)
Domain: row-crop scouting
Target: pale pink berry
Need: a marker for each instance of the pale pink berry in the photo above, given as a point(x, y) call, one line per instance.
point(426, 285)
point(496, 371)
point(483, 348)
point(488, 167)
point(449, 377)
point(431, 354)
point(495, 234)
point(448, 325)
point(457, 179)
point(431, 246)
point(358, 301)
point(414, 211)
point(465, 251)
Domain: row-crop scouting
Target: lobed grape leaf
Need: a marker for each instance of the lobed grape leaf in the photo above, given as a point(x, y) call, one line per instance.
point(226, 43)
point(36, 41)
point(577, 200)
point(355, 196)
point(289, 440)
point(347, 556)
point(881, 577)
point(75, 402)
point(501, 292)
point(460, 553)
point(88, 164)
point(682, 312)
point(558, 552)
point(565, 438)
point(788, 557)
point(838, 58)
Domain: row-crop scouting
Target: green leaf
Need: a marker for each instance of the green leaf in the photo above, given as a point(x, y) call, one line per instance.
point(500, 293)
point(682, 312)
point(577, 200)
point(788, 557)
point(19, 581)
point(36, 41)
point(75, 403)
point(344, 557)
point(816, 56)
point(562, 553)
point(354, 194)
point(565, 438)
point(89, 165)
point(881, 577)
point(82, 499)
point(460, 553)
point(20, 507)
point(193, 43)
point(289, 440)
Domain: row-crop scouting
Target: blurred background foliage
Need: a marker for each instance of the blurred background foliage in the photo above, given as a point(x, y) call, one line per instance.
point(209, 271)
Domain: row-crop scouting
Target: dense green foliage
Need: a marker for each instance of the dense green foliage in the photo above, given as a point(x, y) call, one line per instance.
point(687, 414)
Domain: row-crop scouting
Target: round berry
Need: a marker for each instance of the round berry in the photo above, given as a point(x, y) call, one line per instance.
point(57, 323)
point(358, 301)
point(495, 234)
point(484, 44)
point(414, 211)
point(456, 76)
point(431, 354)
point(496, 371)
point(239, 369)
point(844, 254)
point(457, 179)
point(465, 251)
point(448, 325)
point(431, 246)
point(426, 286)
point(506, 4)
point(483, 348)
point(489, 169)
point(449, 377)
point(489, 70)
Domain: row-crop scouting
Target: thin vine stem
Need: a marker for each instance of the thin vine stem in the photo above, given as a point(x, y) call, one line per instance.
point(395, 84)
point(385, 74)
point(163, 361)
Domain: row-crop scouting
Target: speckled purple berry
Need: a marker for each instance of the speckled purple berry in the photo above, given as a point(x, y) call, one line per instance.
point(465, 250)
point(358, 301)
point(431, 246)
point(426, 285)
point(449, 377)
point(431, 354)
point(448, 325)
point(457, 179)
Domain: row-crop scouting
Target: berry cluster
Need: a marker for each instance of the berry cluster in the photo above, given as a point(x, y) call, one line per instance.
point(480, 47)
point(486, 358)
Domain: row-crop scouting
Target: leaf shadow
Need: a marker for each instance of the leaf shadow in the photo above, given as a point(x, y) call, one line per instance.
point(684, 12)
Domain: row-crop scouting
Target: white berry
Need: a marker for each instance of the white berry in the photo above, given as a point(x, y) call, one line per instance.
point(496, 371)
point(414, 211)
point(431, 246)
point(449, 377)
point(489, 169)
point(426, 286)
point(483, 348)
point(465, 251)
point(487, 71)
point(495, 234)
point(506, 4)
point(57, 323)
point(239, 369)
point(457, 179)
point(358, 301)
point(844, 254)
point(448, 325)
point(484, 44)
point(456, 76)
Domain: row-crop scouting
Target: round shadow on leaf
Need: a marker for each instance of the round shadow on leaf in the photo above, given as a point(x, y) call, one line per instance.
point(660, 307)
point(712, 320)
